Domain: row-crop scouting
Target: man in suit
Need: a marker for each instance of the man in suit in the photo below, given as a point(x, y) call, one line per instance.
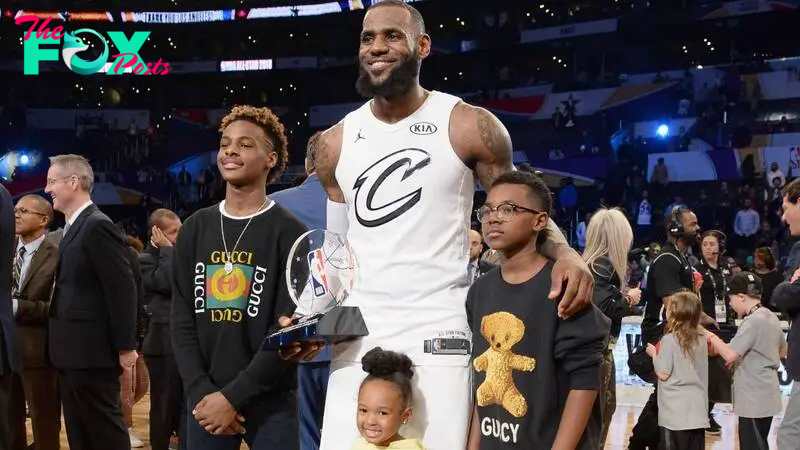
point(166, 389)
point(10, 362)
point(308, 202)
point(34, 268)
point(477, 266)
point(92, 312)
point(55, 236)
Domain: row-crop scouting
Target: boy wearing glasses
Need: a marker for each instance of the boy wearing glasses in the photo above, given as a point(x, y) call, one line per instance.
point(532, 369)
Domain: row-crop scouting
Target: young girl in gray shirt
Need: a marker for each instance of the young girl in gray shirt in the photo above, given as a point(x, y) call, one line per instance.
point(681, 364)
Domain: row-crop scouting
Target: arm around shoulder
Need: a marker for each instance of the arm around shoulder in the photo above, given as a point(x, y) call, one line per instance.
point(482, 141)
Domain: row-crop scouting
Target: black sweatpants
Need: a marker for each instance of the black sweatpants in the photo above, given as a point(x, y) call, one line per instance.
point(753, 433)
point(645, 434)
point(683, 439)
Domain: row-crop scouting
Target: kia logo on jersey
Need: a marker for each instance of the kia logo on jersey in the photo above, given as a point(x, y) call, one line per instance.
point(423, 128)
point(385, 190)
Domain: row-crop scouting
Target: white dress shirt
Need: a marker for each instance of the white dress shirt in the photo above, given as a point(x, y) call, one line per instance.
point(30, 250)
point(77, 213)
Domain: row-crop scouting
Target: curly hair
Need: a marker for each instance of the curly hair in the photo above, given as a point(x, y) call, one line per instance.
point(273, 128)
point(389, 366)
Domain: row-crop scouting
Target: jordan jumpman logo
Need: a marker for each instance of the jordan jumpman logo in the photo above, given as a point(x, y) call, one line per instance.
point(359, 137)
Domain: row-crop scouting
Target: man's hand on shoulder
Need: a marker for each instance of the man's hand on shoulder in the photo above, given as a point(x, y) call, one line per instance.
point(573, 270)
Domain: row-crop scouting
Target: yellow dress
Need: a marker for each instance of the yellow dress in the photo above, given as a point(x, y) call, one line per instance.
point(405, 444)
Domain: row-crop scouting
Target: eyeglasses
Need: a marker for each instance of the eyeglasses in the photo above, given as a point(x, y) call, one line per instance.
point(504, 211)
point(52, 181)
point(22, 211)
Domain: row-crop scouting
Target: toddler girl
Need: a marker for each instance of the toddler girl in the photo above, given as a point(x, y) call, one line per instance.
point(384, 402)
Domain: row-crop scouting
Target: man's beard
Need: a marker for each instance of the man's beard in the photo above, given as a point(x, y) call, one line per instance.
point(690, 239)
point(398, 83)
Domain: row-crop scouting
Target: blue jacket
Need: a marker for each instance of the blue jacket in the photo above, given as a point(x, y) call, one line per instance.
point(308, 202)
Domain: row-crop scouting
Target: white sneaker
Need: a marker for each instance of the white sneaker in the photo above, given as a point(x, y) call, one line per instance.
point(135, 441)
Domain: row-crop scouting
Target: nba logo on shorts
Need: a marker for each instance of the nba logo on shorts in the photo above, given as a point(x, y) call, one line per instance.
point(316, 265)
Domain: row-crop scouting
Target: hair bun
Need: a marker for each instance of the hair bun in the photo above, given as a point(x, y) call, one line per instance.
point(380, 363)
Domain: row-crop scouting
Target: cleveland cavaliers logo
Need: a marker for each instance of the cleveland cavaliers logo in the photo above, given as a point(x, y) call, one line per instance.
point(384, 191)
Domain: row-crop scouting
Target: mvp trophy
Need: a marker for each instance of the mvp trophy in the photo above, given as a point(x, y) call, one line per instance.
point(320, 274)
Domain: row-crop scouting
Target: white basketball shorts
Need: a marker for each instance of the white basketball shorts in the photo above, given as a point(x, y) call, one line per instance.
point(442, 406)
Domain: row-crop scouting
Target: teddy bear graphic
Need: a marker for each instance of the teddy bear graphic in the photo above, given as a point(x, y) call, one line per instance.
point(502, 331)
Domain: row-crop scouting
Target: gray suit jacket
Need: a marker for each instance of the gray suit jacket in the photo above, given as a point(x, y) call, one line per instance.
point(55, 236)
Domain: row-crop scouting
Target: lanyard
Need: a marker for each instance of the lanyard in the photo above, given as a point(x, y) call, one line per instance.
point(752, 310)
point(720, 308)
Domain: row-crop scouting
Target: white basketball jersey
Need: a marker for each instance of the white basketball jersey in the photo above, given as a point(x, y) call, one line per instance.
point(409, 198)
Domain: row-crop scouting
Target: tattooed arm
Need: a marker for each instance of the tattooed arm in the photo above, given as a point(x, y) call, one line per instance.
point(488, 147)
point(329, 147)
point(479, 138)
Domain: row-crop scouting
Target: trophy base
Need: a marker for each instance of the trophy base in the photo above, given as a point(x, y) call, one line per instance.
point(342, 323)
